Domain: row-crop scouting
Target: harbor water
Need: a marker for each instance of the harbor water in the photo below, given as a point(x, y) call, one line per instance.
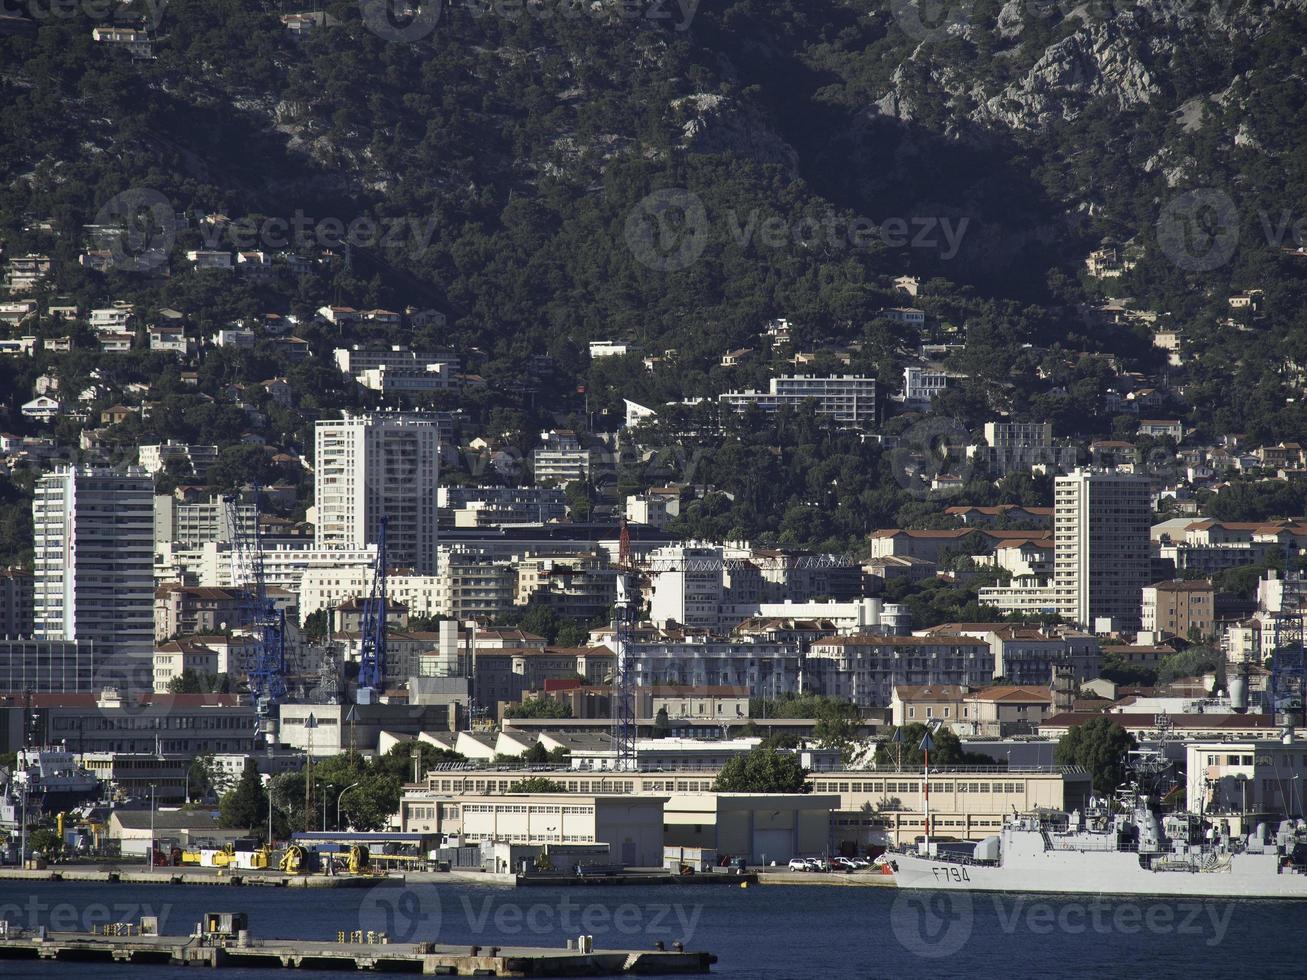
point(765, 932)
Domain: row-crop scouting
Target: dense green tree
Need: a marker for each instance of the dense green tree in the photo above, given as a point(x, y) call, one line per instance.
point(1101, 747)
point(245, 805)
point(537, 784)
point(947, 749)
point(541, 706)
point(762, 770)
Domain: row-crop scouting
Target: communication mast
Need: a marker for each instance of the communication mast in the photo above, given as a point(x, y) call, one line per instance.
point(372, 651)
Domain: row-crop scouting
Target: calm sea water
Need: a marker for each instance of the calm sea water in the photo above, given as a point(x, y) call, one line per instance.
point(769, 932)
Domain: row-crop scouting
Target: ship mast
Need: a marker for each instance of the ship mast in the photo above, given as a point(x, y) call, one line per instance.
point(926, 745)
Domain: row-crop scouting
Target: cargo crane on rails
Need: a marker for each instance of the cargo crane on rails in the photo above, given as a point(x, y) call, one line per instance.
point(372, 639)
point(265, 623)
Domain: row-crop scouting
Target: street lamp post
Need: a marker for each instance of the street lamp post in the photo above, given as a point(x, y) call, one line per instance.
point(152, 826)
point(338, 796)
point(267, 785)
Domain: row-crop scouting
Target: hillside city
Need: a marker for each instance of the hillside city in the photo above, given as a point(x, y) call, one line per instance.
point(175, 620)
point(626, 444)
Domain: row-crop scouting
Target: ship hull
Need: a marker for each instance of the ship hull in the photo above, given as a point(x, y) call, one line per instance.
point(1078, 873)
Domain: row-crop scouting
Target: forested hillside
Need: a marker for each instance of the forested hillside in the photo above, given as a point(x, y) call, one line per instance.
point(495, 160)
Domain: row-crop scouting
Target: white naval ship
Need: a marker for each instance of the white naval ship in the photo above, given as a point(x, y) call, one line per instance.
point(52, 779)
point(1116, 848)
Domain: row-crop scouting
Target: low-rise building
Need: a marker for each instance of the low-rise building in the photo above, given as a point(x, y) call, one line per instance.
point(866, 669)
point(1184, 608)
point(1262, 777)
point(631, 826)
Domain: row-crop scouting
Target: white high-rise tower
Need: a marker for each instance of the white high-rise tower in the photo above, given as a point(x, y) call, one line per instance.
point(381, 464)
point(94, 566)
point(1101, 553)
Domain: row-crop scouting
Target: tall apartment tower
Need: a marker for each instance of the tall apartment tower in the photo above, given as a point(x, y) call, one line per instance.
point(94, 566)
point(381, 464)
point(1101, 553)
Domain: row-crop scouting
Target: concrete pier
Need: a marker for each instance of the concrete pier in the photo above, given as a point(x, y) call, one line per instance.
point(136, 875)
point(425, 958)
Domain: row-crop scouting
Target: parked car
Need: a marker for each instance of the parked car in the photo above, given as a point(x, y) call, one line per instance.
point(861, 863)
point(818, 864)
point(798, 864)
point(842, 864)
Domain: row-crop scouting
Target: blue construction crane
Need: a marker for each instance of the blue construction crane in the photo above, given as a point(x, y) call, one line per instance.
point(372, 650)
point(266, 624)
point(626, 609)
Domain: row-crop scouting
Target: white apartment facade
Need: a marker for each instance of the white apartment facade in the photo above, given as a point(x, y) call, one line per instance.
point(847, 399)
point(377, 465)
point(1102, 555)
point(93, 536)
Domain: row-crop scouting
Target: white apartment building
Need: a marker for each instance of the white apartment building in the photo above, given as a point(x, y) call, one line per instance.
point(483, 506)
point(847, 399)
point(611, 348)
point(173, 658)
point(474, 588)
point(408, 381)
point(1035, 598)
point(328, 585)
point(154, 459)
point(577, 586)
point(561, 459)
point(377, 465)
point(688, 588)
point(921, 384)
point(93, 536)
point(193, 525)
point(284, 563)
point(658, 506)
point(866, 669)
point(357, 359)
point(767, 668)
point(1018, 447)
point(1102, 556)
